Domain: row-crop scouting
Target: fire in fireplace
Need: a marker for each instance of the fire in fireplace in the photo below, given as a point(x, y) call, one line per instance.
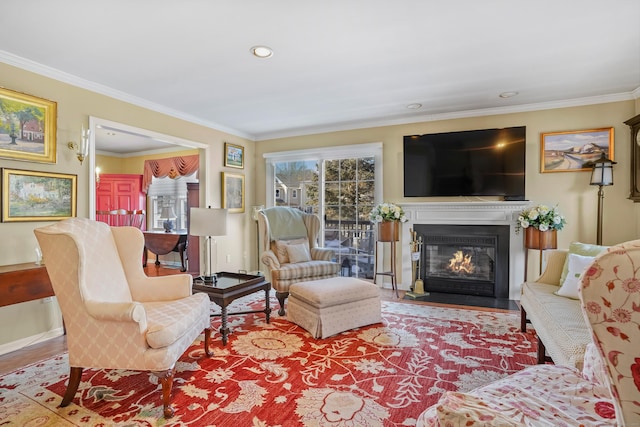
point(465, 259)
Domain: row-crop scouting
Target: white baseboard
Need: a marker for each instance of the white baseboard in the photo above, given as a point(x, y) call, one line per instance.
point(28, 341)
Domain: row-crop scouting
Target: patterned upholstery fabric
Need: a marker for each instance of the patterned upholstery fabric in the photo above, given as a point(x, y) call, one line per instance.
point(115, 316)
point(329, 306)
point(611, 302)
point(558, 321)
point(283, 275)
point(605, 393)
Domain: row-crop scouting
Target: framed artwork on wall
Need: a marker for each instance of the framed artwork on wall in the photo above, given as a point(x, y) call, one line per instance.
point(233, 155)
point(27, 127)
point(233, 192)
point(572, 151)
point(37, 196)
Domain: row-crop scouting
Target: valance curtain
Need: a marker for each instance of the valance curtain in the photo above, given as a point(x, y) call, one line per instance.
point(171, 167)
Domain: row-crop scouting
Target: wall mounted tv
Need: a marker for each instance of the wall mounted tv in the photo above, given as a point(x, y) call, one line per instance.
point(489, 162)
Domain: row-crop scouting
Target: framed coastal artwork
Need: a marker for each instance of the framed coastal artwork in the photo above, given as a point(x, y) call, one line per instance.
point(233, 192)
point(37, 196)
point(233, 155)
point(27, 127)
point(572, 151)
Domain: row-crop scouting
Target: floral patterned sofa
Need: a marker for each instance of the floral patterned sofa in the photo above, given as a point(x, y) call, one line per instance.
point(606, 392)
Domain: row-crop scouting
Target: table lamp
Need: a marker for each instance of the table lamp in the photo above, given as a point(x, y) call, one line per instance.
point(208, 222)
point(168, 214)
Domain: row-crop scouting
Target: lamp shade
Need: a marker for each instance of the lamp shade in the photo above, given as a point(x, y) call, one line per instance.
point(208, 222)
point(167, 213)
point(602, 173)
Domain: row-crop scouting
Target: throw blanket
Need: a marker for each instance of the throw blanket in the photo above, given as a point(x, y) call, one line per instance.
point(285, 223)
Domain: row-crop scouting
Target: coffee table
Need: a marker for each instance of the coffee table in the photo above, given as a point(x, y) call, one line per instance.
point(229, 287)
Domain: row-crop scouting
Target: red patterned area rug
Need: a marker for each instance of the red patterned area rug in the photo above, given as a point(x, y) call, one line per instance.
point(275, 374)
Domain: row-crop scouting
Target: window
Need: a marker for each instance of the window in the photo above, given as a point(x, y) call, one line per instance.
point(168, 193)
point(341, 185)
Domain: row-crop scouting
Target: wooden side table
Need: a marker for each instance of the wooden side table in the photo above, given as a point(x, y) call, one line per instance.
point(161, 243)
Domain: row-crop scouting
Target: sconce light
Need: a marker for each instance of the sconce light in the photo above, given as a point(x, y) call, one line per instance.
point(601, 175)
point(82, 149)
point(97, 176)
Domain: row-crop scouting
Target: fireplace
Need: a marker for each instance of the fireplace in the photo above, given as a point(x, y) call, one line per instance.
point(465, 259)
point(477, 213)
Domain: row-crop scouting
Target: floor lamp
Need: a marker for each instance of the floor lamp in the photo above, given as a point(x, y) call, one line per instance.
point(208, 222)
point(254, 215)
point(601, 175)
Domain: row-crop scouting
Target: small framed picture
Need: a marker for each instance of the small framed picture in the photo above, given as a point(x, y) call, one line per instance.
point(571, 151)
point(27, 127)
point(233, 156)
point(37, 196)
point(233, 192)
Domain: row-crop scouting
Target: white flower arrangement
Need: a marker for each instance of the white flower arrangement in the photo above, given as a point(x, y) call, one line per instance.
point(541, 217)
point(387, 212)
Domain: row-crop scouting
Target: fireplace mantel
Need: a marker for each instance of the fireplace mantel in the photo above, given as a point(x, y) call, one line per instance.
point(467, 213)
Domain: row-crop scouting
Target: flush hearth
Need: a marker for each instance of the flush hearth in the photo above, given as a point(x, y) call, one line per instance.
point(465, 259)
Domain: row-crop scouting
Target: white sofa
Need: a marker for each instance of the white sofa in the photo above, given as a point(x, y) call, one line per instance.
point(558, 321)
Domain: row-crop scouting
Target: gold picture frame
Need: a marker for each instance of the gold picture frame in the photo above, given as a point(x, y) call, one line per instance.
point(27, 127)
point(233, 192)
point(233, 156)
point(572, 151)
point(37, 196)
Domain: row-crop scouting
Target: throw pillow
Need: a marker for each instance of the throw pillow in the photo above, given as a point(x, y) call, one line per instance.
point(298, 253)
point(578, 248)
point(280, 248)
point(576, 264)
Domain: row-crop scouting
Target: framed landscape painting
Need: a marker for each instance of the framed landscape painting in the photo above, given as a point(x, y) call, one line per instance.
point(37, 196)
point(233, 192)
point(233, 155)
point(572, 151)
point(27, 127)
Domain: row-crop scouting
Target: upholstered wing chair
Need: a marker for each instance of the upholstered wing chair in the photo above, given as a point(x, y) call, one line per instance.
point(115, 316)
point(290, 249)
point(607, 390)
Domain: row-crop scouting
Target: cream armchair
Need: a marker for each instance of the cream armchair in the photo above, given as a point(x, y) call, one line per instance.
point(605, 392)
point(115, 316)
point(290, 249)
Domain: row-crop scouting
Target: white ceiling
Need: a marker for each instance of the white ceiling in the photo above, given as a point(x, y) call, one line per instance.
point(337, 64)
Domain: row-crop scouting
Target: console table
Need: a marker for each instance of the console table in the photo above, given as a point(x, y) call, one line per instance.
point(23, 282)
point(161, 243)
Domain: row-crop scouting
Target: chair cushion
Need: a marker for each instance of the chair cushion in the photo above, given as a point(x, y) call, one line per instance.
point(279, 247)
point(302, 270)
point(168, 321)
point(333, 291)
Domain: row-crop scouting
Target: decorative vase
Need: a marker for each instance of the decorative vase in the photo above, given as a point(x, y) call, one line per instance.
point(536, 239)
point(388, 231)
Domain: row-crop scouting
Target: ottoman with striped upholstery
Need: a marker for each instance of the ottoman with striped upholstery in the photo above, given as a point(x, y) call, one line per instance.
point(326, 307)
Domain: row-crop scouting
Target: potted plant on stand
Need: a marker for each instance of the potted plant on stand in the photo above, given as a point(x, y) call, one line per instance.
point(541, 224)
point(388, 217)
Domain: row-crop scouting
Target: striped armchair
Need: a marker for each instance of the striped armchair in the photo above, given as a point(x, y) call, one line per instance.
point(290, 249)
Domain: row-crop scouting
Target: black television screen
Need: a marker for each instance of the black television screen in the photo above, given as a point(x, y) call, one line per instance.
point(489, 162)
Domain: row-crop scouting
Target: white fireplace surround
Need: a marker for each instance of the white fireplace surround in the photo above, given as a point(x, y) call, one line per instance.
point(467, 213)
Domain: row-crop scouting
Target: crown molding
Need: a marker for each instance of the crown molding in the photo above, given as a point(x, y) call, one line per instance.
point(44, 70)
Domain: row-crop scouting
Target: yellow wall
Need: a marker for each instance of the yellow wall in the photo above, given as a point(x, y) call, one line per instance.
point(134, 165)
point(26, 323)
point(571, 191)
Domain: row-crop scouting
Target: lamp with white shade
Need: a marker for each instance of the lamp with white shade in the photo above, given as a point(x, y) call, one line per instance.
point(601, 175)
point(208, 222)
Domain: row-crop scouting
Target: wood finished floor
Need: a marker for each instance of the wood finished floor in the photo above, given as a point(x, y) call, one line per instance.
point(15, 360)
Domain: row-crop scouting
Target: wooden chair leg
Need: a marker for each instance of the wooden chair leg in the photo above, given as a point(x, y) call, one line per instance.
point(75, 375)
point(207, 342)
point(281, 297)
point(523, 320)
point(541, 352)
point(166, 379)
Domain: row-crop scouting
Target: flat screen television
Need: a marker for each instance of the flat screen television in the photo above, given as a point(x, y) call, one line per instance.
point(488, 162)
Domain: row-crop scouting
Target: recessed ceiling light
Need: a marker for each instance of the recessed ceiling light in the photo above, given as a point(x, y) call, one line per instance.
point(262, 51)
point(414, 106)
point(507, 94)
